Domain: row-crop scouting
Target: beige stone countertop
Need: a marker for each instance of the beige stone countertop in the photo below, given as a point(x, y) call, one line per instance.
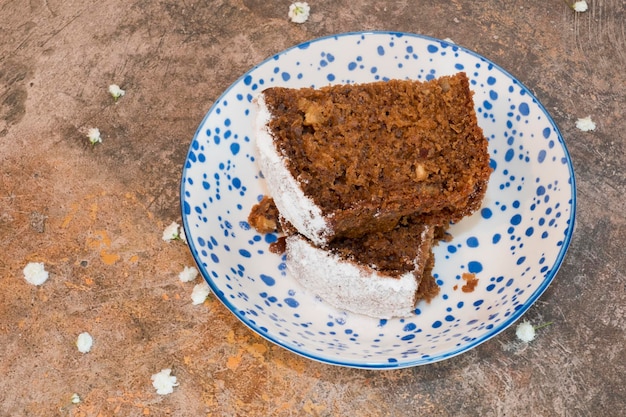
point(94, 215)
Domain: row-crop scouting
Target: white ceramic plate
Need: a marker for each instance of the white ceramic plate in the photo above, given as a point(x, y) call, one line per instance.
point(514, 244)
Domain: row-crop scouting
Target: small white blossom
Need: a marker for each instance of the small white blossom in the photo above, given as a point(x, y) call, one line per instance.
point(182, 235)
point(116, 91)
point(93, 135)
point(171, 232)
point(585, 124)
point(580, 6)
point(200, 293)
point(75, 398)
point(163, 382)
point(84, 342)
point(299, 12)
point(188, 274)
point(525, 332)
point(35, 273)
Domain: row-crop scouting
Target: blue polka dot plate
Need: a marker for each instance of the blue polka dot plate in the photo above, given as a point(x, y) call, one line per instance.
point(514, 245)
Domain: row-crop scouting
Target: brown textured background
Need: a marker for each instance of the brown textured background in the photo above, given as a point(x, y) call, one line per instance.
point(95, 215)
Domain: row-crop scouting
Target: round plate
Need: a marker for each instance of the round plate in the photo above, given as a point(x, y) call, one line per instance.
point(514, 244)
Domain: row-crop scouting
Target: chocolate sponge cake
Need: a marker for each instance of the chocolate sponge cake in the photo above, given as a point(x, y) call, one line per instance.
point(382, 275)
point(347, 160)
point(364, 180)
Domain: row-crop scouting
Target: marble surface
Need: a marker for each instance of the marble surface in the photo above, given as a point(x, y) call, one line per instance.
point(95, 214)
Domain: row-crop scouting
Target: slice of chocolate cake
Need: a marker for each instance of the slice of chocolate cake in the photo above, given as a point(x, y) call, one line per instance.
point(365, 180)
point(382, 275)
point(347, 160)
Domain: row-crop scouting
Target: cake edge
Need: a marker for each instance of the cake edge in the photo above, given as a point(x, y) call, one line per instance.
point(289, 198)
point(354, 287)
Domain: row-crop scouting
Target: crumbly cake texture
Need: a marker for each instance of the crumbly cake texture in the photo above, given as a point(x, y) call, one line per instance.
point(347, 160)
point(404, 249)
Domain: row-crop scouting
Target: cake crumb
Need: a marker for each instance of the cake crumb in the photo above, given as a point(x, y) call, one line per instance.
point(470, 282)
point(280, 246)
point(264, 216)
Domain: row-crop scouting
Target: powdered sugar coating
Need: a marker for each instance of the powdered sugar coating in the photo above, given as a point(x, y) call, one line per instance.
point(288, 196)
point(346, 285)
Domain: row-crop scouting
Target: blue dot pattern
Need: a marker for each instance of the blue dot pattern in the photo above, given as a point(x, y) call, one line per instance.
point(514, 244)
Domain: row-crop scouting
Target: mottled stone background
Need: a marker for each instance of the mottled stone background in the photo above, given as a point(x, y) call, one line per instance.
point(95, 214)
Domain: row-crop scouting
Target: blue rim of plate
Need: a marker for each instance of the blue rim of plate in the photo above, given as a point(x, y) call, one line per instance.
point(411, 363)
